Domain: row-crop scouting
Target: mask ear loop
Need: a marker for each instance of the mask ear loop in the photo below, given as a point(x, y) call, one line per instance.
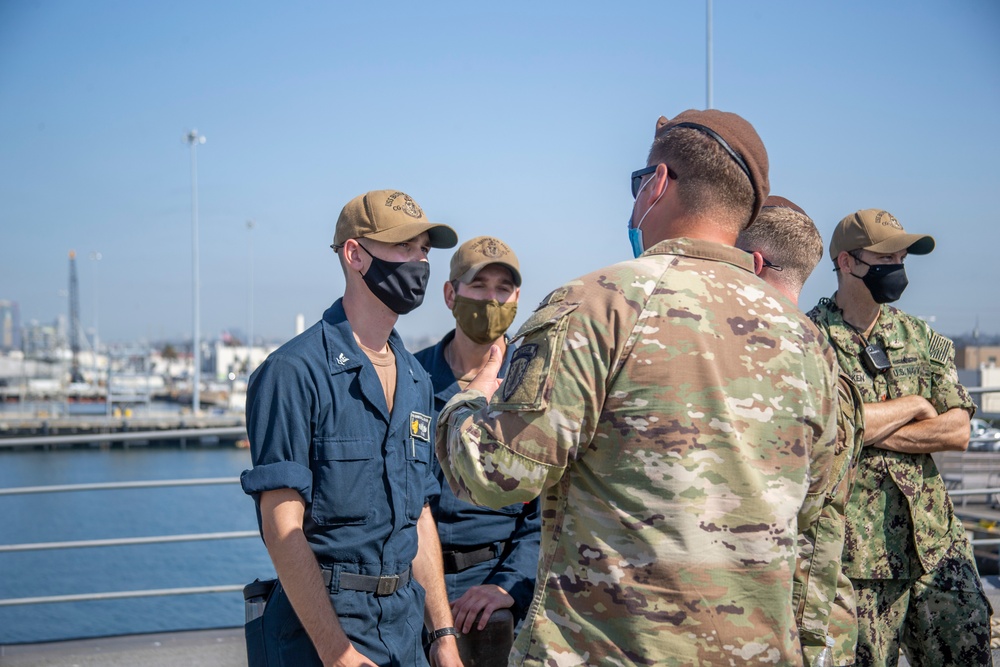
point(638, 226)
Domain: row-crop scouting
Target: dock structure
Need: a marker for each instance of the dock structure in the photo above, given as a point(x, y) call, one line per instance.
point(166, 430)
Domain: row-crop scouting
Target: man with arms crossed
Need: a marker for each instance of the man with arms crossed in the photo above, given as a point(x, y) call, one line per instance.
point(658, 409)
point(907, 555)
point(339, 426)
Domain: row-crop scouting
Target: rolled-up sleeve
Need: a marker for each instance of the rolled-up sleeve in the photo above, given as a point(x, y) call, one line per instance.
point(946, 391)
point(280, 401)
point(521, 443)
point(480, 468)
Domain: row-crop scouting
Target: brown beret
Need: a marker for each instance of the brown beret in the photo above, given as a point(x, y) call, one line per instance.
point(736, 136)
point(775, 201)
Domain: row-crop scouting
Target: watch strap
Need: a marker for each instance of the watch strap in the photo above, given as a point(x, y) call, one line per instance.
point(442, 632)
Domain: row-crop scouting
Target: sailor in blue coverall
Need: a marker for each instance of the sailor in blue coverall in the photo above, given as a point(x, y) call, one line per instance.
point(354, 474)
point(483, 548)
point(481, 545)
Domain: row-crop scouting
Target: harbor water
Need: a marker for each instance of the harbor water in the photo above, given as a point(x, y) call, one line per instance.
point(124, 513)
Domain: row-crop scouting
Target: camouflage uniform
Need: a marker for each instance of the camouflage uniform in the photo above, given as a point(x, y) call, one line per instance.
point(823, 596)
point(905, 551)
point(664, 409)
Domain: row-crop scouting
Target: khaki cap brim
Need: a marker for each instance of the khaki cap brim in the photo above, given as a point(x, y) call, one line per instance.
point(476, 268)
point(914, 244)
point(442, 236)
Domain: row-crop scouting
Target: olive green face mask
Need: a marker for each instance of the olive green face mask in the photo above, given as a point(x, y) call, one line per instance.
point(483, 321)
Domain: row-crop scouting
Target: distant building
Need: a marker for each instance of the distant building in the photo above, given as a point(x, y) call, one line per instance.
point(223, 359)
point(978, 367)
point(43, 340)
point(977, 356)
point(10, 326)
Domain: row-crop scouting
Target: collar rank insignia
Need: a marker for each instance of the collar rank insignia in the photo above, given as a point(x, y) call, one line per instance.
point(420, 426)
point(342, 359)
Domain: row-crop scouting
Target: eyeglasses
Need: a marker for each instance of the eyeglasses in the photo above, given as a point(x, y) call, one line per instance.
point(769, 265)
point(645, 171)
point(637, 178)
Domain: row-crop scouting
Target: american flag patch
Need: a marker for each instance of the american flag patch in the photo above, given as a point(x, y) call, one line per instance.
point(941, 349)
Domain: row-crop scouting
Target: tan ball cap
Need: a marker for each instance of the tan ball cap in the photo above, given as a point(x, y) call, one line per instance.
point(389, 216)
point(479, 252)
point(878, 231)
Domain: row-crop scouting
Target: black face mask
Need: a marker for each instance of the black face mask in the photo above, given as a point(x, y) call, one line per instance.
point(886, 282)
point(399, 285)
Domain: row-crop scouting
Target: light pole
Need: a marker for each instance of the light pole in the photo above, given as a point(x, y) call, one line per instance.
point(194, 139)
point(708, 54)
point(95, 257)
point(250, 226)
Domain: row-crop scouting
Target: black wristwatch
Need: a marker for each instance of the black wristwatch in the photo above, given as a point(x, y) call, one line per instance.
point(442, 632)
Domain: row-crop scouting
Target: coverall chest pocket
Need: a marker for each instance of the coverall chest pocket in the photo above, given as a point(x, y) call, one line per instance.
point(343, 480)
point(418, 457)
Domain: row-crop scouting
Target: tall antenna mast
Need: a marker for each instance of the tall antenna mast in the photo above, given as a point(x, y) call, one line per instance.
point(195, 140)
point(74, 319)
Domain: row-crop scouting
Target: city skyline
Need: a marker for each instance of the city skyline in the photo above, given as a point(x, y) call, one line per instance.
point(522, 122)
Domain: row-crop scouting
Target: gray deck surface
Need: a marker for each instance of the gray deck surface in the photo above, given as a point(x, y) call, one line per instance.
point(199, 648)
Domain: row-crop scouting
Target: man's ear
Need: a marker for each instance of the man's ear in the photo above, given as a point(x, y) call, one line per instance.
point(354, 255)
point(758, 262)
point(660, 182)
point(449, 295)
point(844, 261)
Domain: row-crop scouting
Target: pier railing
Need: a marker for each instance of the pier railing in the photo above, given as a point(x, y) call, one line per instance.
point(125, 437)
point(973, 480)
point(979, 462)
point(161, 539)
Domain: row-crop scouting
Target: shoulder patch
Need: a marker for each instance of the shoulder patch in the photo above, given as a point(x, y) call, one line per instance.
point(540, 343)
point(518, 367)
point(555, 296)
point(941, 349)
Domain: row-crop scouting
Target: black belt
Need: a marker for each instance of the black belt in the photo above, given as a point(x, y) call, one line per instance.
point(386, 585)
point(456, 561)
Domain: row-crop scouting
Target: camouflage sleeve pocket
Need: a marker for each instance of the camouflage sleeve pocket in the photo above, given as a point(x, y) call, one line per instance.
point(539, 344)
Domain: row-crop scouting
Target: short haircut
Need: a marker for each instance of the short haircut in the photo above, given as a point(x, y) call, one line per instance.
point(787, 238)
point(708, 179)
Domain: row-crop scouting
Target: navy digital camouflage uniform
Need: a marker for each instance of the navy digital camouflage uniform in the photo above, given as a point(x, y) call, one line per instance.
point(824, 597)
point(665, 409)
point(317, 421)
point(511, 532)
point(906, 553)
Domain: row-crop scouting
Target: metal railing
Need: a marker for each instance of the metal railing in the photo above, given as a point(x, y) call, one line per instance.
point(160, 539)
point(226, 588)
point(194, 434)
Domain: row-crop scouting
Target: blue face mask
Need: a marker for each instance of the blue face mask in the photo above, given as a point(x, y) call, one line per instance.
point(635, 233)
point(635, 238)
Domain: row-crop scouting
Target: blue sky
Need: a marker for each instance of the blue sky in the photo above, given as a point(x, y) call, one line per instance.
point(521, 120)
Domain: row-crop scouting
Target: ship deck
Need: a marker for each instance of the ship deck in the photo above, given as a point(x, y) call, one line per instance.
point(222, 647)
